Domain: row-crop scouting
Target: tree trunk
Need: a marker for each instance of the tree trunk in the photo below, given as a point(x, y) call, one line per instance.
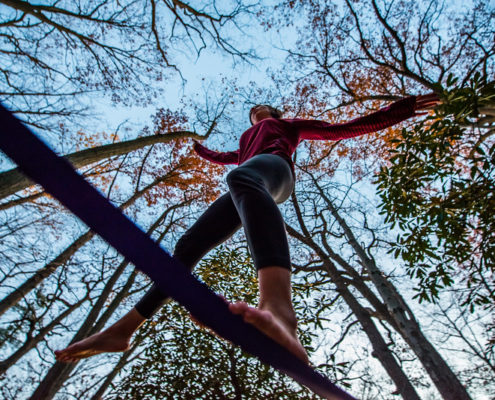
point(442, 376)
point(31, 342)
point(380, 348)
point(22, 200)
point(13, 298)
point(111, 376)
point(13, 180)
point(59, 372)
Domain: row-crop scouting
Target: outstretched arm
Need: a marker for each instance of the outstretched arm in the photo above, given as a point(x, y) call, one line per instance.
point(388, 116)
point(229, 157)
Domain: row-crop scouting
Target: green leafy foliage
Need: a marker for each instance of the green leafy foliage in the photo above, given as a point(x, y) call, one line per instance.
point(439, 189)
point(180, 360)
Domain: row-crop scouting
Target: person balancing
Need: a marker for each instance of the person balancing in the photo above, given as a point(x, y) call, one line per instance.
point(264, 178)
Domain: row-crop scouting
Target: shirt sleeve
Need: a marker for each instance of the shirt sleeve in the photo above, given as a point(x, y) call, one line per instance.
point(229, 157)
point(383, 118)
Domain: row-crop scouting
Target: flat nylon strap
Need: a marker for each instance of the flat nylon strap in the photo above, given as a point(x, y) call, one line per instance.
point(58, 177)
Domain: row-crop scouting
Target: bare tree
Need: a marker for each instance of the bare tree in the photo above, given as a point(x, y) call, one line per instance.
point(52, 55)
point(379, 50)
point(14, 180)
point(39, 276)
point(59, 372)
point(327, 224)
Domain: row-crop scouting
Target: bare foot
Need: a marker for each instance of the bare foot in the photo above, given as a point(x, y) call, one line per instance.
point(271, 324)
point(107, 341)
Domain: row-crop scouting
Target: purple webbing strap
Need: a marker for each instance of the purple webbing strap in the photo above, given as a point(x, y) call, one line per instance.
point(58, 177)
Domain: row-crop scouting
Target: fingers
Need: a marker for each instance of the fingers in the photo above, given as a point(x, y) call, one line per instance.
point(428, 97)
point(426, 102)
point(198, 140)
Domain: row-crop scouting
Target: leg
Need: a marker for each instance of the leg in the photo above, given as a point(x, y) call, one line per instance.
point(219, 222)
point(256, 187)
point(274, 316)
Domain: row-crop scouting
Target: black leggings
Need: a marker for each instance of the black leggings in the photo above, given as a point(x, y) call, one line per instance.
point(256, 187)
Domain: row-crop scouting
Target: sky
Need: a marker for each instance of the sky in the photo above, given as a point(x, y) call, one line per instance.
point(204, 75)
point(205, 72)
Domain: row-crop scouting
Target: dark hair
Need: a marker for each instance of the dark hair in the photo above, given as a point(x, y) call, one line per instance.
point(274, 112)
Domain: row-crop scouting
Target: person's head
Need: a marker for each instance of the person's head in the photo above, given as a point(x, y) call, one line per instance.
point(262, 111)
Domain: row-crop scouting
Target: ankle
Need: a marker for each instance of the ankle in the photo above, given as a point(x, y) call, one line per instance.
point(283, 312)
point(127, 325)
point(118, 331)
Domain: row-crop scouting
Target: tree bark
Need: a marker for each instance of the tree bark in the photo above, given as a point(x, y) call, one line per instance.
point(14, 180)
point(442, 376)
point(59, 372)
point(380, 348)
point(111, 376)
point(13, 298)
point(39, 276)
point(32, 341)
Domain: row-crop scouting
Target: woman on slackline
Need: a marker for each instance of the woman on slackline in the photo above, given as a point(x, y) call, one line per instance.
point(264, 178)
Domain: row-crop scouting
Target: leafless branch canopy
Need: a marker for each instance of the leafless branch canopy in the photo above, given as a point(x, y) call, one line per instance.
point(54, 52)
point(382, 49)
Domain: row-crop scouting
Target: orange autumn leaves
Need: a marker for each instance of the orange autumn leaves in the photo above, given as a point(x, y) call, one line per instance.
point(180, 173)
point(98, 173)
point(186, 173)
point(360, 156)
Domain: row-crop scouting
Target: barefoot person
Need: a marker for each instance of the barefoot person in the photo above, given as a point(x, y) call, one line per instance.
point(264, 178)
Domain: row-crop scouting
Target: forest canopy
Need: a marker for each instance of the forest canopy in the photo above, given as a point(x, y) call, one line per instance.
point(391, 233)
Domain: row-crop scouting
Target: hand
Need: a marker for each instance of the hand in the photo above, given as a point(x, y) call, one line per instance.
point(426, 102)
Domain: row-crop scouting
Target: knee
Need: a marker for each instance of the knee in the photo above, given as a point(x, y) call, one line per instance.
point(184, 250)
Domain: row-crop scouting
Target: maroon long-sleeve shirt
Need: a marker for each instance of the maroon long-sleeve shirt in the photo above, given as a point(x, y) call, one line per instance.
point(282, 136)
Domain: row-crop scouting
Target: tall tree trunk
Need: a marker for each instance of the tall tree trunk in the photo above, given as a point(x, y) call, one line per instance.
point(22, 200)
point(13, 298)
point(39, 276)
point(111, 376)
point(59, 372)
point(442, 376)
point(380, 349)
point(13, 180)
point(32, 341)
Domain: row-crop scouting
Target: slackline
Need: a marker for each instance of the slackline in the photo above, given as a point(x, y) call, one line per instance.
point(58, 177)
